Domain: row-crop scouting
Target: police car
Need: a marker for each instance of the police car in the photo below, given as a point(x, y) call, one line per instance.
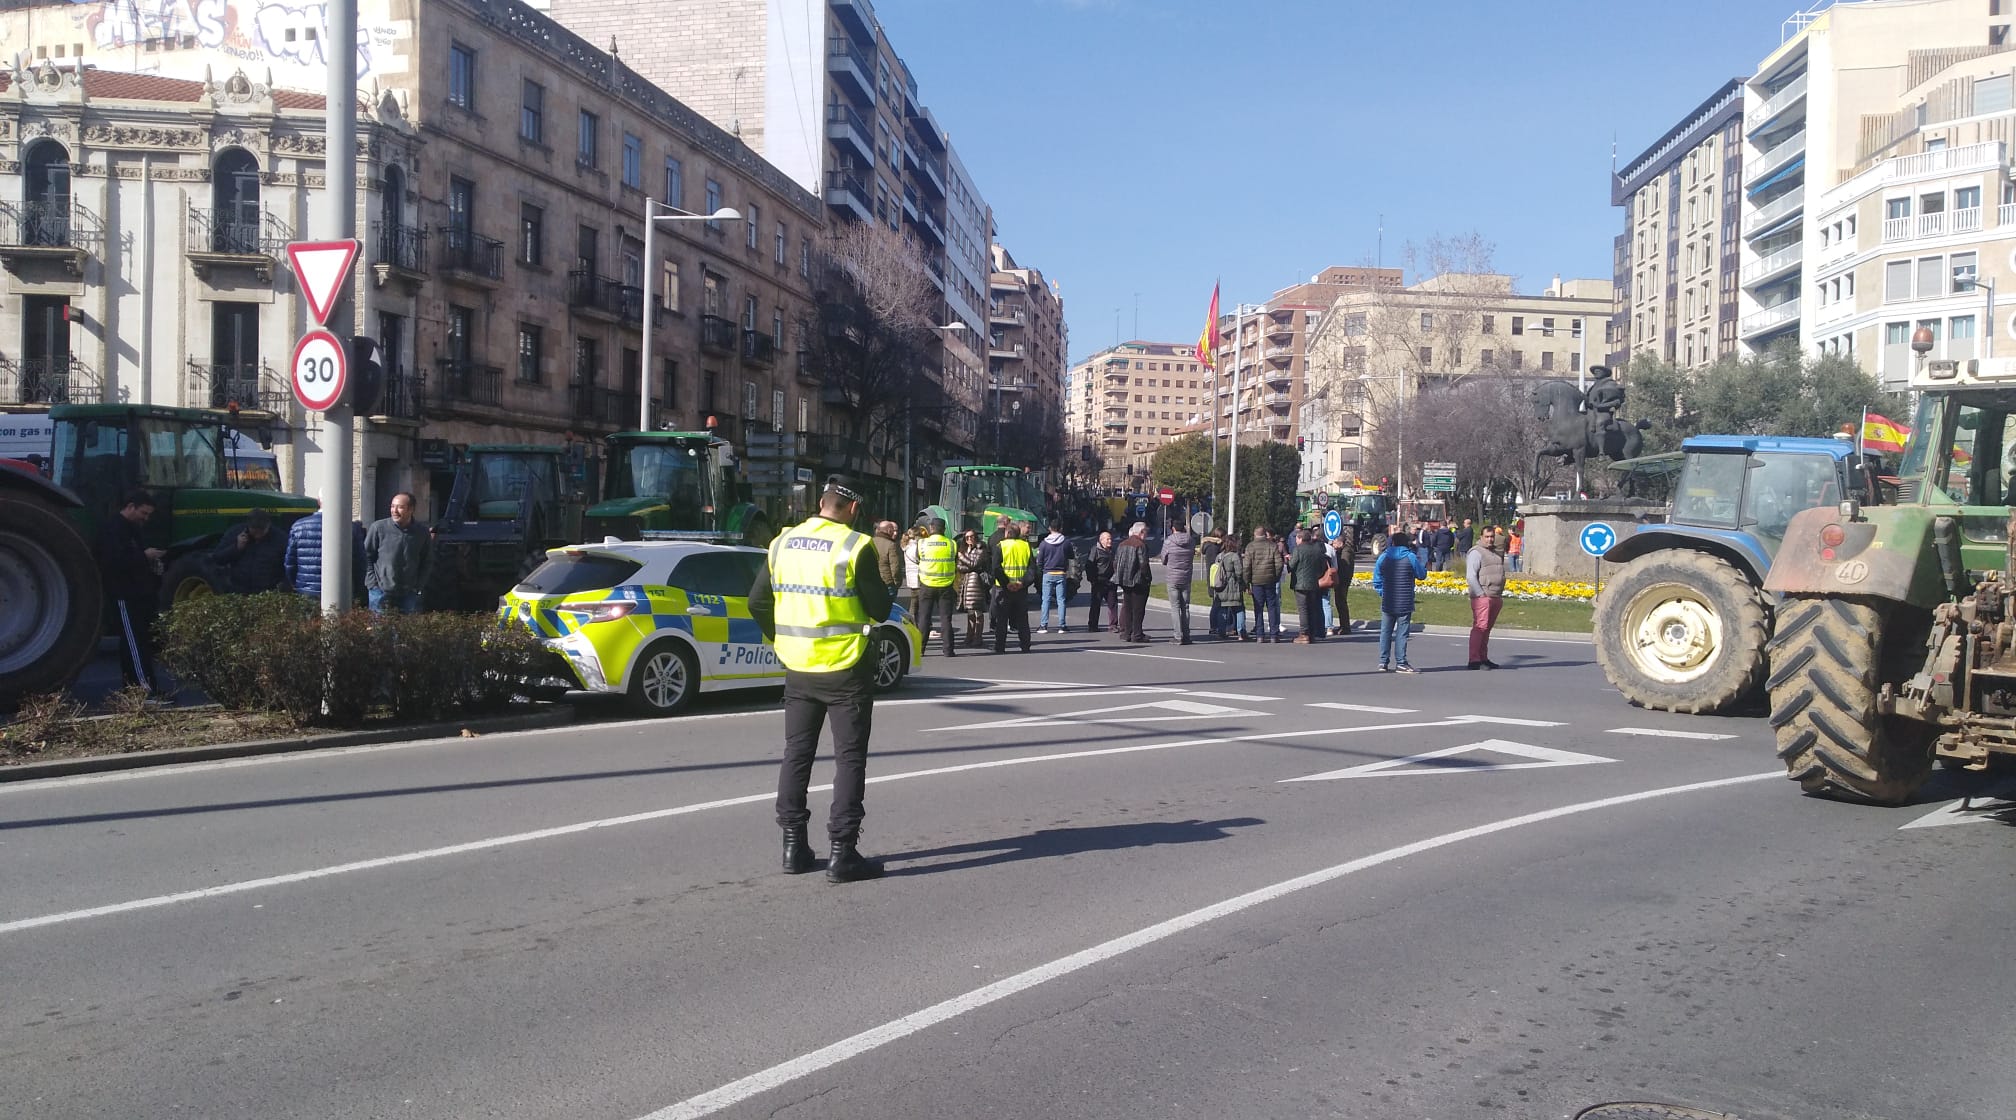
point(659, 621)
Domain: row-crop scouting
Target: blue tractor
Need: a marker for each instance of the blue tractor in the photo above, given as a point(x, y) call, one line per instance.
point(1681, 624)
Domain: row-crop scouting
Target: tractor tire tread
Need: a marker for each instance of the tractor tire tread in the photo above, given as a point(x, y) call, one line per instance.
point(1833, 739)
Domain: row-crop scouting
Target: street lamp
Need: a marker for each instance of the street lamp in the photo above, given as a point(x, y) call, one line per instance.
point(651, 219)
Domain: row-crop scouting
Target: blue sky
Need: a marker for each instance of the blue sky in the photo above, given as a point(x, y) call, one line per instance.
point(1150, 146)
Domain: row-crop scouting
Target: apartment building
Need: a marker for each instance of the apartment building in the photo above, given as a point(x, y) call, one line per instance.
point(1261, 371)
point(818, 89)
point(502, 175)
point(1676, 262)
point(1921, 231)
point(1135, 396)
point(1374, 350)
point(1805, 108)
point(1025, 346)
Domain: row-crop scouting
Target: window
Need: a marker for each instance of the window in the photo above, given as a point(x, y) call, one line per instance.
point(669, 286)
point(754, 220)
point(781, 240)
point(587, 153)
point(1518, 360)
point(1966, 198)
point(1897, 208)
point(1489, 325)
point(1896, 334)
point(1931, 277)
point(777, 330)
point(633, 161)
point(1519, 321)
point(671, 382)
point(1354, 324)
point(528, 353)
point(1427, 354)
point(461, 76)
point(1896, 281)
point(1486, 356)
point(805, 257)
point(461, 213)
point(713, 203)
point(1427, 320)
point(749, 313)
point(531, 234)
point(1575, 363)
point(709, 380)
point(1547, 360)
point(1547, 328)
point(1960, 326)
point(1963, 272)
point(532, 113)
point(1991, 95)
point(1575, 329)
point(675, 185)
point(749, 400)
point(777, 408)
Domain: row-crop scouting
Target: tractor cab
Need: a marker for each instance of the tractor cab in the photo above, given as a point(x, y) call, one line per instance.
point(980, 498)
point(674, 486)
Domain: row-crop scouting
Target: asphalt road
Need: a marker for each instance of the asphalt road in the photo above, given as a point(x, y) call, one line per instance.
point(1502, 894)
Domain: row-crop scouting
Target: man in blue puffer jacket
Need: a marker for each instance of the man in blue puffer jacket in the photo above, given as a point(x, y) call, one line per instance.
point(1393, 577)
point(303, 562)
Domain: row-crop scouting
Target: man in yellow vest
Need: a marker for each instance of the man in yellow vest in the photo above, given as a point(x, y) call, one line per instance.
point(816, 601)
point(1013, 564)
point(937, 571)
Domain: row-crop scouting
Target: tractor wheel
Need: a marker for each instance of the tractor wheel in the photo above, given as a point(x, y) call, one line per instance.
point(1681, 631)
point(1828, 660)
point(190, 576)
point(51, 605)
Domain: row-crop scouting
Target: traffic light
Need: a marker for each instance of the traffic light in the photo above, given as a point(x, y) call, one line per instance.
point(367, 377)
point(1301, 443)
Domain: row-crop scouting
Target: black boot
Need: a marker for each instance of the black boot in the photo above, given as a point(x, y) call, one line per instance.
point(797, 850)
point(848, 865)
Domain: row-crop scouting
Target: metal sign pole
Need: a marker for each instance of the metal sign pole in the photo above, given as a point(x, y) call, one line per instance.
point(339, 223)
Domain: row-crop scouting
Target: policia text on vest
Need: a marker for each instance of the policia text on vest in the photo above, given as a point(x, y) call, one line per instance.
point(816, 601)
point(937, 571)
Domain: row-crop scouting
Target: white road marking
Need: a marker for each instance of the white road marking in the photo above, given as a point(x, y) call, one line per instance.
point(1509, 721)
point(1373, 709)
point(784, 1073)
point(1661, 733)
point(1231, 696)
point(1982, 810)
point(1152, 656)
point(1185, 709)
point(1544, 758)
point(245, 885)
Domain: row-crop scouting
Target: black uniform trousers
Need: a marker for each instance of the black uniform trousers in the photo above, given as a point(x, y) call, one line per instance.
point(848, 697)
point(1011, 608)
point(934, 608)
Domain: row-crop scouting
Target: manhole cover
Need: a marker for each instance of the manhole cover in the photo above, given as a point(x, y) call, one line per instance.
point(1643, 1110)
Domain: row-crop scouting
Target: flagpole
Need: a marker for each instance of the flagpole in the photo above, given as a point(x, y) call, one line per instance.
point(1862, 433)
point(1232, 499)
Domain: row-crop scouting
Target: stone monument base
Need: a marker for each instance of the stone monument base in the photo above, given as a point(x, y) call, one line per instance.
point(1553, 538)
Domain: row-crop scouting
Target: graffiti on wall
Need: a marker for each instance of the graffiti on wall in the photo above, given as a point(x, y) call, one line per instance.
point(285, 34)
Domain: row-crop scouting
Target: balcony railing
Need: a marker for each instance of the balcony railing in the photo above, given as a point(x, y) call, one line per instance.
point(845, 189)
point(2005, 214)
point(58, 223)
point(1777, 103)
point(401, 247)
point(844, 59)
point(604, 407)
point(759, 347)
point(1281, 352)
point(1790, 203)
point(1770, 317)
point(63, 380)
point(404, 392)
point(239, 385)
point(231, 232)
point(1772, 264)
point(472, 254)
point(1780, 154)
point(1967, 220)
point(1000, 314)
point(461, 381)
point(718, 335)
point(603, 295)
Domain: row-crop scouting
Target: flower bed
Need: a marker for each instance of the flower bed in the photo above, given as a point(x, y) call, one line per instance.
point(1517, 587)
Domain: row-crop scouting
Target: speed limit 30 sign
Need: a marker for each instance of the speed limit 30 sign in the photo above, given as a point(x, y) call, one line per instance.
point(320, 371)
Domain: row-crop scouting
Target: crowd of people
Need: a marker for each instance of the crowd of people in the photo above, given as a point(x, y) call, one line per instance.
point(988, 581)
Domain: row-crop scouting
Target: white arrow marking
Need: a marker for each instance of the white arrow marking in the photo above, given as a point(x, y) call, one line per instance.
point(1373, 709)
point(1982, 810)
point(1186, 709)
point(1231, 696)
point(1431, 763)
point(1510, 722)
point(1657, 733)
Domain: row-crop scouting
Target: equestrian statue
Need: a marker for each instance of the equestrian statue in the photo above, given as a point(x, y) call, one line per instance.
point(1583, 426)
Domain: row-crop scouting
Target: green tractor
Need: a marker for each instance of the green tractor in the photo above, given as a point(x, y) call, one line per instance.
point(508, 504)
point(1896, 632)
point(981, 497)
point(51, 607)
point(675, 486)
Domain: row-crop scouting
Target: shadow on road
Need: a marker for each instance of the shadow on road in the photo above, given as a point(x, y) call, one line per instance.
point(1049, 842)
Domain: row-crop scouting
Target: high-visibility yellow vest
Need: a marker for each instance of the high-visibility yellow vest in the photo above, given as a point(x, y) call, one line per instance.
point(821, 625)
point(1015, 557)
point(937, 562)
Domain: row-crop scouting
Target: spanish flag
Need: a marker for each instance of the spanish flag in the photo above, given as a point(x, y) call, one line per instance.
point(1207, 343)
point(1882, 434)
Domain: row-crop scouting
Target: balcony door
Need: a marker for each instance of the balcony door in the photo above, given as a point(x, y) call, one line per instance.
point(46, 180)
point(234, 354)
point(45, 350)
point(234, 186)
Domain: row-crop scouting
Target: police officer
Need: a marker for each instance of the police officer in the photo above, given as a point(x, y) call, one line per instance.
point(937, 571)
point(1012, 561)
point(816, 601)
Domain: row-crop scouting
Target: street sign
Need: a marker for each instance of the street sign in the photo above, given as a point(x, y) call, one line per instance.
point(1167, 495)
point(320, 371)
point(1438, 478)
point(1598, 538)
point(1200, 522)
point(1333, 524)
point(320, 267)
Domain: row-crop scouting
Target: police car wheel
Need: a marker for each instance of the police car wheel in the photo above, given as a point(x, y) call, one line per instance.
point(663, 680)
point(891, 662)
